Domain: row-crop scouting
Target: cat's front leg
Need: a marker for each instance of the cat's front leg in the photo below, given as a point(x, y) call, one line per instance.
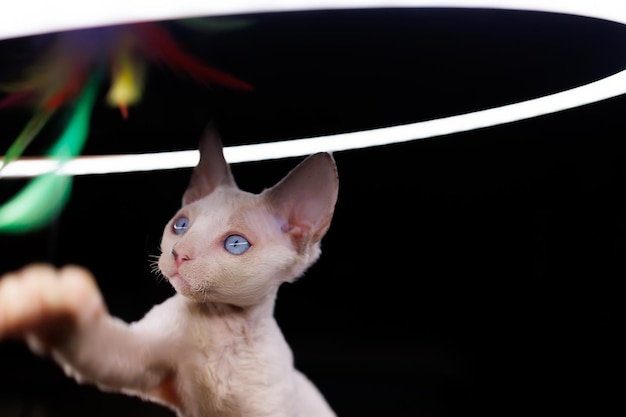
point(61, 312)
point(45, 305)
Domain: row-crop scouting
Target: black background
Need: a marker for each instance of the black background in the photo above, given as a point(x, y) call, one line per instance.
point(475, 273)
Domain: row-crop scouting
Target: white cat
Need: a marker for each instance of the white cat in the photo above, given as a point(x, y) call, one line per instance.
point(214, 348)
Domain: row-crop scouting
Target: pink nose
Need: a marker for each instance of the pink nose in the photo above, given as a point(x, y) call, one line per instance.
point(179, 259)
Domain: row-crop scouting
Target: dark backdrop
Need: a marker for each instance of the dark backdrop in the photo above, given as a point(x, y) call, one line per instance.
point(472, 274)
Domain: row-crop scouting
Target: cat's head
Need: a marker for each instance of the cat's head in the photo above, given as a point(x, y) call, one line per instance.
point(227, 245)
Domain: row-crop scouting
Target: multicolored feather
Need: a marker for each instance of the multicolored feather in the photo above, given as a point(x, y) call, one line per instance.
point(45, 196)
point(62, 78)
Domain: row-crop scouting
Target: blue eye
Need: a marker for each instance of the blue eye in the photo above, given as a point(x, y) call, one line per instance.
point(180, 225)
point(236, 244)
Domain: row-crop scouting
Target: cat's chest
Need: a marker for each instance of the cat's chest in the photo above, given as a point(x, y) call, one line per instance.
point(230, 362)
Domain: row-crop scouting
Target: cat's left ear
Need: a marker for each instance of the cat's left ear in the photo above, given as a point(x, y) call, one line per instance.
point(212, 170)
point(305, 199)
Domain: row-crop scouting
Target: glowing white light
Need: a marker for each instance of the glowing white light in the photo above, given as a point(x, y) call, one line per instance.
point(605, 88)
point(28, 17)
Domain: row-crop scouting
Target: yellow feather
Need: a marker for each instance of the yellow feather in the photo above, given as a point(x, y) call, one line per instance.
point(127, 80)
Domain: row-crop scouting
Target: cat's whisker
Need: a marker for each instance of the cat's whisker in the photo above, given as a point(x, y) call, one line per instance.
point(153, 261)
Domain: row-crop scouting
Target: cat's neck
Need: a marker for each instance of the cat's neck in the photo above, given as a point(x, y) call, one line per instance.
point(253, 314)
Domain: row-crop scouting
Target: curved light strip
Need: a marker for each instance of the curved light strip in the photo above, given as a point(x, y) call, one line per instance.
point(30, 17)
point(18, 19)
point(590, 93)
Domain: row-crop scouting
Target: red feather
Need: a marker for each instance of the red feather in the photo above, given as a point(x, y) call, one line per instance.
point(160, 46)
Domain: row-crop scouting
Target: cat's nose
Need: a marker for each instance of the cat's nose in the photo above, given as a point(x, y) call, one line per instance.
point(179, 259)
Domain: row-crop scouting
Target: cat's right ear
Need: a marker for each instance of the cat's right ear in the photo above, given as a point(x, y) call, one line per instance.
point(212, 170)
point(304, 201)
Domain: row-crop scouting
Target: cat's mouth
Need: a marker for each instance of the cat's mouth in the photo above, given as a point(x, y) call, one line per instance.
point(178, 280)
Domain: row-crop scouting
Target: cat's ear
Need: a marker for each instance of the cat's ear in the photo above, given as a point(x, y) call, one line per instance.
point(304, 200)
point(212, 170)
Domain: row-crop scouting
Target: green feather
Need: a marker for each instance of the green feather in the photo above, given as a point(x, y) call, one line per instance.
point(32, 128)
point(44, 197)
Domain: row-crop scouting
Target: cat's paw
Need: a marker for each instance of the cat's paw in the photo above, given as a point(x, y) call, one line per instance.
point(44, 303)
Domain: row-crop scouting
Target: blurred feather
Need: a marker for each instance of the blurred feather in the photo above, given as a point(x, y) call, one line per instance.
point(32, 128)
point(36, 204)
point(44, 197)
point(62, 77)
point(159, 46)
point(128, 74)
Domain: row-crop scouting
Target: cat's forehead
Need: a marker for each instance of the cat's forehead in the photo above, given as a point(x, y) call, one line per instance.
point(227, 197)
point(237, 210)
point(224, 204)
